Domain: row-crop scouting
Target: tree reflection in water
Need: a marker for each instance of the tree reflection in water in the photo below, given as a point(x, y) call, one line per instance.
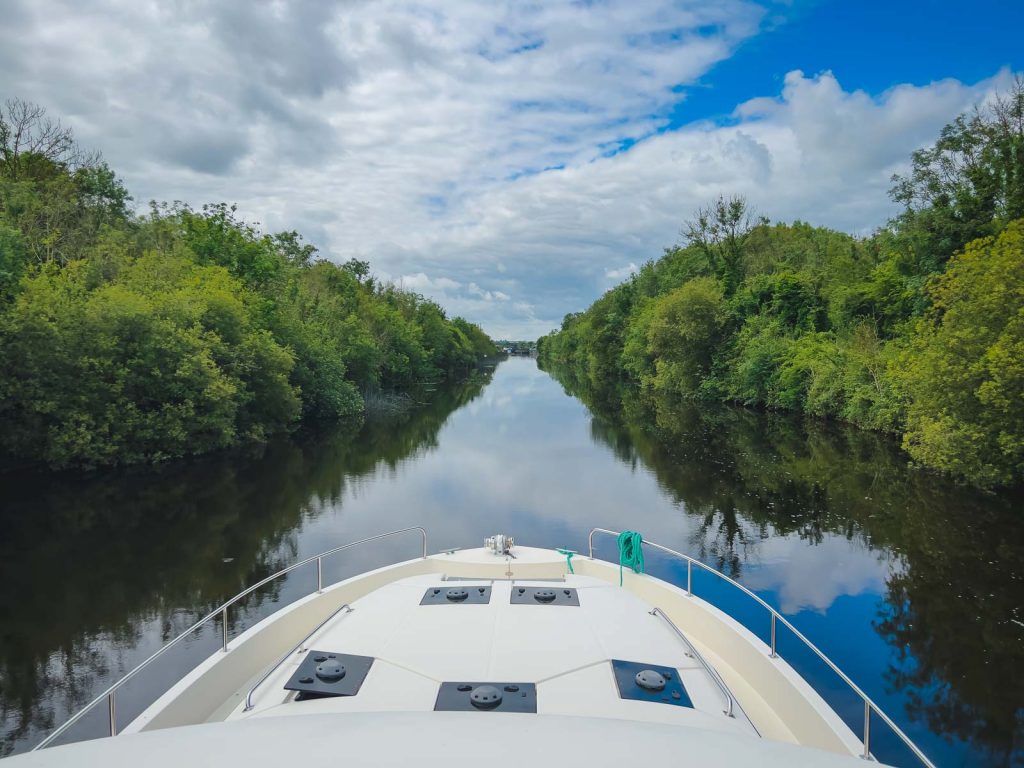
point(952, 610)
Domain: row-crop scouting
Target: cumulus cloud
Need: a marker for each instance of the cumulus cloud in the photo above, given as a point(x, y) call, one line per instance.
point(476, 290)
point(421, 283)
point(622, 273)
point(814, 152)
point(515, 148)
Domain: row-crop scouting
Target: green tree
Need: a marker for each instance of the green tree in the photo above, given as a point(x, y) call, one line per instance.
point(163, 362)
point(720, 232)
point(684, 332)
point(967, 185)
point(964, 369)
point(12, 260)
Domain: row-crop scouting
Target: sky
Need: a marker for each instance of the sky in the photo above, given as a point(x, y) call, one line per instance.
point(511, 160)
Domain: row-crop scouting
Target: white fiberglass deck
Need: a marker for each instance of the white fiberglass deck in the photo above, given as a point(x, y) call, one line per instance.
point(405, 739)
point(566, 651)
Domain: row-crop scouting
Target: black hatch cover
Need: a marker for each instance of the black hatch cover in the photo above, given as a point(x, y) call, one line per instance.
point(325, 673)
point(486, 697)
point(553, 595)
point(460, 595)
point(650, 682)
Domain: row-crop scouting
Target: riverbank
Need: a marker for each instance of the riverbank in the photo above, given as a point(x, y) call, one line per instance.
point(941, 367)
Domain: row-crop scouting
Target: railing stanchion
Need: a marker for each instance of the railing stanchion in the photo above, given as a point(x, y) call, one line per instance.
point(112, 713)
point(319, 575)
point(224, 629)
point(689, 578)
point(867, 730)
point(774, 654)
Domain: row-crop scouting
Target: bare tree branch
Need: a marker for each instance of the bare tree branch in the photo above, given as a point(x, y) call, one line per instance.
point(719, 231)
point(26, 131)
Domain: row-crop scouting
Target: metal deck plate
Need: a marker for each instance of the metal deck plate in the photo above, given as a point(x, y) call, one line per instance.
point(486, 697)
point(553, 595)
point(461, 595)
point(317, 675)
point(626, 679)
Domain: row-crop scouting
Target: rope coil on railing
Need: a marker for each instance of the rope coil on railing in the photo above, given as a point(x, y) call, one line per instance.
point(631, 552)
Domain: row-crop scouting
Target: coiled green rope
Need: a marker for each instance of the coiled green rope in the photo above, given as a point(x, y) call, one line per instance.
point(631, 552)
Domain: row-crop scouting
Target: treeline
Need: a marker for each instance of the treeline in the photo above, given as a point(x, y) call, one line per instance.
point(134, 338)
point(916, 330)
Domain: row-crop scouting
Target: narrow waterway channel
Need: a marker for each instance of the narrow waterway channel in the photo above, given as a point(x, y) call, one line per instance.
point(912, 584)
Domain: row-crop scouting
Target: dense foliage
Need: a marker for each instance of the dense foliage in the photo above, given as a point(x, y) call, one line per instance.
point(917, 330)
point(130, 338)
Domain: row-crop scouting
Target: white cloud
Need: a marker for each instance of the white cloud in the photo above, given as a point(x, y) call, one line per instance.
point(622, 273)
point(420, 283)
point(459, 143)
point(816, 152)
point(476, 290)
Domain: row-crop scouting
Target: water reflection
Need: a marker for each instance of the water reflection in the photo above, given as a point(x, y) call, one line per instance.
point(948, 560)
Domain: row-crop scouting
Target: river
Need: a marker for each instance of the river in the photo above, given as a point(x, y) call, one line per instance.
point(912, 584)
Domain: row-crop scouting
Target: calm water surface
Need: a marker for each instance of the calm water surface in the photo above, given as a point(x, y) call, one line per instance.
point(910, 583)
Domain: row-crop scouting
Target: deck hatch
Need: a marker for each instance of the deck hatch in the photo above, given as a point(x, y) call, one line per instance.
point(544, 596)
point(650, 682)
point(326, 673)
point(471, 594)
point(486, 697)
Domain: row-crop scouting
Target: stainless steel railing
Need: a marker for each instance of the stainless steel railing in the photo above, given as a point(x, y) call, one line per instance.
point(730, 700)
point(298, 647)
point(869, 705)
point(221, 611)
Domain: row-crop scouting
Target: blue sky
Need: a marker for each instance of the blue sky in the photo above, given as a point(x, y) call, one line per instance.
point(868, 45)
point(511, 160)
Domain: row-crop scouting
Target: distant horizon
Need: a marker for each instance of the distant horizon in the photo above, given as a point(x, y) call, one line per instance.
point(511, 164)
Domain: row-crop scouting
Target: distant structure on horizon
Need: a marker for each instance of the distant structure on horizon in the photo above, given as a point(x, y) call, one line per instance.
point(525, 348)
